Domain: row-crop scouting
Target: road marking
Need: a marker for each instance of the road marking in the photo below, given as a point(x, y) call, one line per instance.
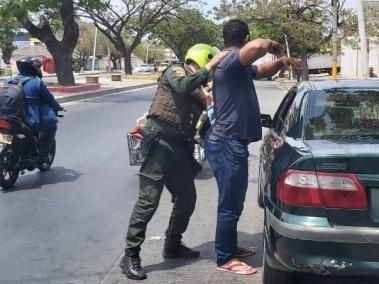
point(114, 264)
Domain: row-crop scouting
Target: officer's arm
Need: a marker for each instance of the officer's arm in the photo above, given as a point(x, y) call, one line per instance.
point(185, 84)
point(48, 98)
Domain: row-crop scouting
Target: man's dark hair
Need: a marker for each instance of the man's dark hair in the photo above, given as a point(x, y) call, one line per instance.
point(235, 32)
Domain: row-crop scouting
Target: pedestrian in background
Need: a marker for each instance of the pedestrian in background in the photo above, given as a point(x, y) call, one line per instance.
point(237, 123)
point(174, 112)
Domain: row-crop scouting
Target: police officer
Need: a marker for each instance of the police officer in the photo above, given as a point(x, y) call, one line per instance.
point(176, 107)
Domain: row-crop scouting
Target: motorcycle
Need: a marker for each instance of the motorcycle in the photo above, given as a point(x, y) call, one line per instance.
point(19, 151)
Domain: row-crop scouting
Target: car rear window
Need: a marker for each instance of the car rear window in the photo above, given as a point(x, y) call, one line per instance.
point(347, 114)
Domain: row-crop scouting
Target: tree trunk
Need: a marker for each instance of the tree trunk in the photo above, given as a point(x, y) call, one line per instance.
point(61, 50)
point(128, 62)
point(114, 63)
point(304, 62)
point(63, 65)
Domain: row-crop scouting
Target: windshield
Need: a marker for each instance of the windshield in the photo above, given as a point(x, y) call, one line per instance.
point(343, 114)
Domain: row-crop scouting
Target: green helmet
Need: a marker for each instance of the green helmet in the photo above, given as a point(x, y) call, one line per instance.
point(201, 54)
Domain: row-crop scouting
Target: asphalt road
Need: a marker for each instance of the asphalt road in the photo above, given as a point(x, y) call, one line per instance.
point(68, 225)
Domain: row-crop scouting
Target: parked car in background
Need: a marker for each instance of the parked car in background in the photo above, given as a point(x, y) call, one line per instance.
point(163, 67)
point(153, 67)
point(142, 68)
point(319, 181)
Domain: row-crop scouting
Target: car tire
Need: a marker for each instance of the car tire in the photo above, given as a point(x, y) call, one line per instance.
point(275, 276)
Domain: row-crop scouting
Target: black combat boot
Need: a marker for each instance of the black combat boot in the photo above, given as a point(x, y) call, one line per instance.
point(131, 267)
point(176, 249)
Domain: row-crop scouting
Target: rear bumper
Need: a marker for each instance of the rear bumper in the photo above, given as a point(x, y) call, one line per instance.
point(322, 249)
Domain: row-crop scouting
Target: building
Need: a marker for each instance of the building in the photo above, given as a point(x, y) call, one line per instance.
point(39, 51)
point(23, 38)
point(351, 65)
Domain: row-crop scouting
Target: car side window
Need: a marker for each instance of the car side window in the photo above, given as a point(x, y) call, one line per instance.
point(283, 109)
point(293, 119)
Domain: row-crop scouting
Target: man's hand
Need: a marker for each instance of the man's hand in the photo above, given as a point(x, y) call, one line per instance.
point(216, 60)
point(276, 49)
point(290, 62)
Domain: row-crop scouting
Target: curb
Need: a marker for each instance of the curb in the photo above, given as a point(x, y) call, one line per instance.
point(91, 95)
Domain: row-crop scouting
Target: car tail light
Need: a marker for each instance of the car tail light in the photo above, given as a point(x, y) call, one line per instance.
point(5, 124)
point(317, 189)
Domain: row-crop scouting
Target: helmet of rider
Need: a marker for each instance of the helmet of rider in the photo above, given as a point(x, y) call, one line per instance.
point(200, 54)
point(29, 66)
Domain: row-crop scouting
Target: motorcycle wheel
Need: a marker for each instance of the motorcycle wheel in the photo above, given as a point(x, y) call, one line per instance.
point(8, 160)
point(51, 156)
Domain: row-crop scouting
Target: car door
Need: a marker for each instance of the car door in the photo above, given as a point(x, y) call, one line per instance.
point(271, 142)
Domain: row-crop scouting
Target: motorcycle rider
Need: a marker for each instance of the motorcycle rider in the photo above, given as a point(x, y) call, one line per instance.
point(176, 107)
point(40, 105)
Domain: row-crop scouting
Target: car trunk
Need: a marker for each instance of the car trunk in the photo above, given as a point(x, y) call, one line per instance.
point(361, 160)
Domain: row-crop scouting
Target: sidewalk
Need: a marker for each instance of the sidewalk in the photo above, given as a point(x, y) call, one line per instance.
point(107, 87)
point(200, 235)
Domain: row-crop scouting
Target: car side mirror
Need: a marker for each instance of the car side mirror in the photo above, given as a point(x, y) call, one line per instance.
point(266, 120)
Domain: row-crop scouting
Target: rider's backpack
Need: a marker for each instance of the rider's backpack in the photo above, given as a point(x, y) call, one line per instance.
point(12, 99)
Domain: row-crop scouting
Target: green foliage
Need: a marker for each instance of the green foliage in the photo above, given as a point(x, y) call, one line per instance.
point(84, 48)
point(155, 51)
point(136, 18)
point(7, 32)
point(304, 22)
point(186, 28)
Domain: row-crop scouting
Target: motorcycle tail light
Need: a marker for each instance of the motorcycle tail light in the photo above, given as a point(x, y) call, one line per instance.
point(323, 190)
point(5, 124)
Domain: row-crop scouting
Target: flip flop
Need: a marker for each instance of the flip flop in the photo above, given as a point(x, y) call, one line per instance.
point(241, 252)
point(237, 267)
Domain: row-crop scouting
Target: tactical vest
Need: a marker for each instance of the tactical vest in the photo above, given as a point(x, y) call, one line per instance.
point(183, 112)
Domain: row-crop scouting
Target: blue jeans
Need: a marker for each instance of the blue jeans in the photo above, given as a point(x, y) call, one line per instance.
point(229, 161)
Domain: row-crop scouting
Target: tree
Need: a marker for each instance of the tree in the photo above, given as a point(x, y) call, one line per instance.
point(42, 19)
point(187, 28)
point(305, 23)
point(153, 49)
point(84, 48)
point(7, 33)
point(135, 18)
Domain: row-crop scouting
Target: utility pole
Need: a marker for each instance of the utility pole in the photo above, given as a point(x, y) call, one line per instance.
point(147, 53)
point(335, 38)
point(363, 38)
point(109, 60)
point(288, 55)
point(94, 51)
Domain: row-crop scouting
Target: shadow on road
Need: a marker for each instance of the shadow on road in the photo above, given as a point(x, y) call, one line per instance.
point(207, 252)
point(54, 176)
